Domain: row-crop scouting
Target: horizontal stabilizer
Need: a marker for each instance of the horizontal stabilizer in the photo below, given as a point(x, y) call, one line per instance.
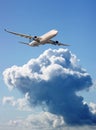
point(24, 43)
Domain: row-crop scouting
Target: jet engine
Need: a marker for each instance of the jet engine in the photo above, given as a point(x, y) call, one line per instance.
point(56, 42)
point(36, 38)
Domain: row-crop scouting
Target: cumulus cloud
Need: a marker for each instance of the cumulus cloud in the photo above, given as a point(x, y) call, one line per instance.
point(92, 107)
point(9, 100)
point(94, 85)
point(20, 103)
point(52, 81)
point(43, 120)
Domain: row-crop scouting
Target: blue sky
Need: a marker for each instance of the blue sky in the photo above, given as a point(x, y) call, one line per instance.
point(74, 19)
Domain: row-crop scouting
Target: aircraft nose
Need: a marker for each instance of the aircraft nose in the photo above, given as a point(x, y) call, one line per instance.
point(55, 31)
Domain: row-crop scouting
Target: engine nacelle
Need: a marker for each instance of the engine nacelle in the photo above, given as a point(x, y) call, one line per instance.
point(34, 38)
point(56, 42)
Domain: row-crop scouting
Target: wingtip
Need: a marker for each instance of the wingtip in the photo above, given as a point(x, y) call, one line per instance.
point(67, 45)
point(5, 30)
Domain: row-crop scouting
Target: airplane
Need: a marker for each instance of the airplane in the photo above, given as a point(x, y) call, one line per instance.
point(40, 40)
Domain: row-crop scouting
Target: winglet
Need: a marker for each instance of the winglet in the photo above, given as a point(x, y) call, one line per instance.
point(5, 30)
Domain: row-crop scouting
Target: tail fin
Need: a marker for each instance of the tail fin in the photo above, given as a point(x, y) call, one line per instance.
point(24, 43)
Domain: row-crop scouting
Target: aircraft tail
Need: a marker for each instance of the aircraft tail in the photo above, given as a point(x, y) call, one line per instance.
point(24, 43)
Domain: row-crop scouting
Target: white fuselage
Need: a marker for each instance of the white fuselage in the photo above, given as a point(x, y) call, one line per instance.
point(44, 38)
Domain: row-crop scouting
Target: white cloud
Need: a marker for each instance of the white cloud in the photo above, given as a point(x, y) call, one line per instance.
point(43, 120)
point(94, 86)
point(9, 100)
point(92, 107)
point(20, 103)
point(52, 80)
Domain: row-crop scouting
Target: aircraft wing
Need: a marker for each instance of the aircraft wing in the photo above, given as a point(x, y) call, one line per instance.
point(57, 43)
point(19, 34)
